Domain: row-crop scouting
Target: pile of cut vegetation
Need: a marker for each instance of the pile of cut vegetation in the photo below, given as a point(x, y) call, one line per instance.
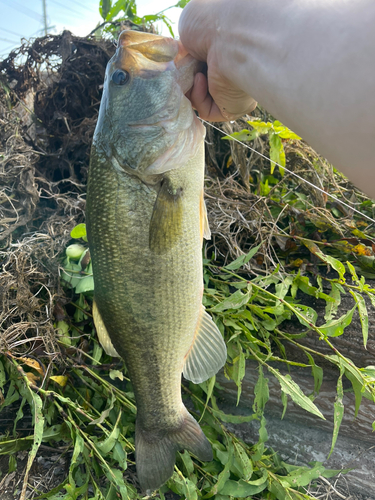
point(275, 270)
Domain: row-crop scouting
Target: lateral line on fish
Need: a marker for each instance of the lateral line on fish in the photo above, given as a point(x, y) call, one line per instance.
point(292, 173)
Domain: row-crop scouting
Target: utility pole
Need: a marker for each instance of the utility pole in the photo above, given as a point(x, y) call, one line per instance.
point(45, 16)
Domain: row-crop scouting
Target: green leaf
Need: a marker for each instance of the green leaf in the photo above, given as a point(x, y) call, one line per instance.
point(104, 8)
point(358, 391)
point(242, 489)
point(284, 132)
point(12, 464)
point(110, 441)
point(353, 273)
point(235, 301)
point(188, 463)
point(263, 435)
point(277, 153)
point(354, 375)
point(182, 3)
point(120, 454)
point(303, 283)
point(302, 476)
point(12, 395)
point(283, 287)
point(113, 374)
point(208, 387)
point(244, 461)
point(317, 373)
point(3, 378)
point(331, 307)
point(262, 127)
point(277, 489)
point(335, 327)
point(334, 263)
point(224, 474)
point(53, 433)
point(363, 315)
point(79, 231)
point(167, 22)
point(243, 136)
point(242, 259)
point(338, 410)
point(232, 419)
point(127, 6)
point(261, 392)
point(309, 315)
point(284, 400)
point(116, 476)
point(183, 486)
point(293, 390)
point(19, 416)
point(237, 371)
point(36, 406)
point(104, 413)
point(85, 284)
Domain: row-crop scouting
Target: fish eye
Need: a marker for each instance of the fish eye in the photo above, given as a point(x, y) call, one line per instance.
point(120, 77)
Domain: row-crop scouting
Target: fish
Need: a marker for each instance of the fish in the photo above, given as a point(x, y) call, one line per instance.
point(146, 219)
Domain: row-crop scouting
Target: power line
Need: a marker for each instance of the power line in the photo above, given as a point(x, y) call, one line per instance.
point(7, 40)
point(83, 7)
point(7, 50)
point(11, 32)
point(23, 10)
point(67, 8)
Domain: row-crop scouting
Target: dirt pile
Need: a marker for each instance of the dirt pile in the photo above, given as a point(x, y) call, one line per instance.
point(49, 98)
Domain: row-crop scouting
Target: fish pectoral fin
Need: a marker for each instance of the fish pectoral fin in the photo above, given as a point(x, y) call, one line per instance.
point(208, 352)
point(166, 219)
point(103, 335)
point(204, 225)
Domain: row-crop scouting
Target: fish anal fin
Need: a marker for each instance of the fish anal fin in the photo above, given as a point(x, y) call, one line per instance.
point(204, 225)
point(208, 352)
point(166, 219)
point(155, 456)
point(103, 335)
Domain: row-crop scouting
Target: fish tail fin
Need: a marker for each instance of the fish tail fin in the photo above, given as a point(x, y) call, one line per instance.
point(155, 457)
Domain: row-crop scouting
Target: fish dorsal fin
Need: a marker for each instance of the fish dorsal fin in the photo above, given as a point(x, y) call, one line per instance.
point(101, 330)
point(166, 219)
point(208, 352)
point(204, 225)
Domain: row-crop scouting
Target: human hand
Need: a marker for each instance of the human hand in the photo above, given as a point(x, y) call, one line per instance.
point(215, 96)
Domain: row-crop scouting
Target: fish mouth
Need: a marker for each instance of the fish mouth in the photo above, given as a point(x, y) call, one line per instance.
point(147, 55)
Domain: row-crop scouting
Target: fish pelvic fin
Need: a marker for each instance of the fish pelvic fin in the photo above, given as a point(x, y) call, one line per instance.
point(102, 332)
point(155, 457)
point(208, 352)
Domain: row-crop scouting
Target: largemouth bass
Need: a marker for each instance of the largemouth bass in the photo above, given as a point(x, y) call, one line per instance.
point(146, 219)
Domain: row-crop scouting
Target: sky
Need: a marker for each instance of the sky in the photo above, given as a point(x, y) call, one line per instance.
point(24, 18)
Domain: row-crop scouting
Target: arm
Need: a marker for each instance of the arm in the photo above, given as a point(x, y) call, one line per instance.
point(310, 63)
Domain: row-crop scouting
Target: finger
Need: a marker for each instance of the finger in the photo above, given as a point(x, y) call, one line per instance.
point(231, 101)
point(202, 100)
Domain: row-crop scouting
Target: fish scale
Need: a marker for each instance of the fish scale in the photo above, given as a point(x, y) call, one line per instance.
point(135, 287)
point(145, 222)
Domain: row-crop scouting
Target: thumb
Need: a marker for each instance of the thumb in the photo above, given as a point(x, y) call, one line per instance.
point(232, 101)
